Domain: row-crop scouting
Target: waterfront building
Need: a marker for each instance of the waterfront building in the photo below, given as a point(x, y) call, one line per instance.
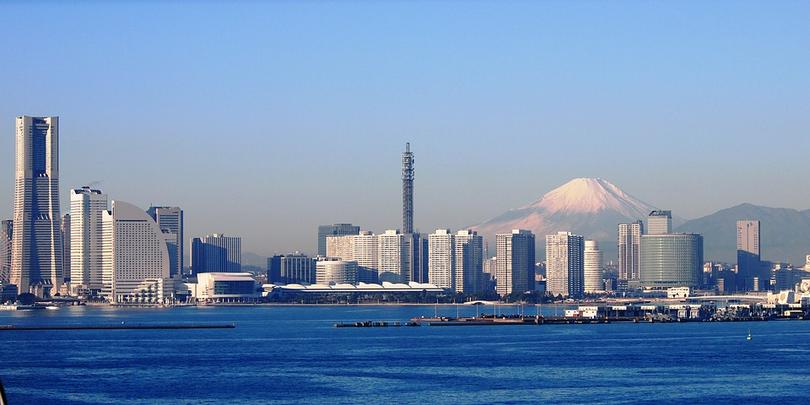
point(361, 248)
point(515, 254)
point(295, 268)
point(36, 262)
point(749, 264)
point(135, 257)
point(442, 262)
point(6, 232)
point(216, 253)
point(65, 229)
point(671, 260)
point(331, 270)
point(334, 230)
point(565, 271)
point(87, 207)
point(469, 262)
point(393, 256)
point(170, 221)
point(593, 268)
point(630, 250)
point(659, 223)
point(226, 287)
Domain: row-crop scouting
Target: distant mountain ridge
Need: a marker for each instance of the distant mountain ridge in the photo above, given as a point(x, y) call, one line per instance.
point(591, 207)
point(784, 233)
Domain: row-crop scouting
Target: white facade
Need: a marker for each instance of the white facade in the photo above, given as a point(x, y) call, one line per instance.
point(441, 259)
point(87, 207)
point(659, 223)
point(564, 264)
point(469, 261)
point(330, 270)
point(593, 267)
point(225, 287)
point(629, 244)
point(392, 257)
point(135, 258)
point(362, 248)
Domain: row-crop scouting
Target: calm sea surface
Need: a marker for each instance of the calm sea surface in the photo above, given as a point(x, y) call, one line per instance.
point(296, 355)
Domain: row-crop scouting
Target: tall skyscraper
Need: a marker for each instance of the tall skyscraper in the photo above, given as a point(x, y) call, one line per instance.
point(593, 267)
point(36, 263)
point(6, 232)
point(748, 256)
point(515, 263)
point(565, 270)
point(469, 262)
point(170, 221)
point(216, 253)
point(442, 261)
point(334, 230)
point(393, 257)
point(66, 248)
point(135, 257)
point(87, 207)
point(629, 249)
point(407, 190)
point(659, 223)
point(671, 260)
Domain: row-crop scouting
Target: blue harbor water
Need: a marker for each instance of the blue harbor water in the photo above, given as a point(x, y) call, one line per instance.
point(296, 355)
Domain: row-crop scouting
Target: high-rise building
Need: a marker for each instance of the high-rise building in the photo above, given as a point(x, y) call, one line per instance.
point(361, 248)
point(413, 261)
point(36, 263)
point(334, 230)
point(87, 207)
point(393, 256)
point(659, 223)
point(442, 262)
point(515, 254)
point(65, 228)
point(671, 260)
point(593, 267)
point(293, 268)
point(170, 221)
point(330, 270)
point(216, 253)
point(135, 257)
point(629, 250)
point(749, 262)
point(490, 268)
point(6, 232)
point(469, 262)
point(565, 270)
point(407, 190)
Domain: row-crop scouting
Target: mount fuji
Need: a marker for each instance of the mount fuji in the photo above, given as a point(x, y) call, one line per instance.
point(590, 207)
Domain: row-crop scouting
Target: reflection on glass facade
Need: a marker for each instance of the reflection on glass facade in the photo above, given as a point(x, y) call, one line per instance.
point(671, 260)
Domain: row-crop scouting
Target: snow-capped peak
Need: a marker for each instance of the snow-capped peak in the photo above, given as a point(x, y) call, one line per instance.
point(590, 195)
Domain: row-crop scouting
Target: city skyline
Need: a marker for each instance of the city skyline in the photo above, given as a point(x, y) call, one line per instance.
point(472, 116)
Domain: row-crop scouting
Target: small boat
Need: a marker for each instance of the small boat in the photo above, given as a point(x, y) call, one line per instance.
point(749, 335)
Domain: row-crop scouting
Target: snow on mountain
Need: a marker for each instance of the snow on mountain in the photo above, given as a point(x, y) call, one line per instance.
point(591, 207)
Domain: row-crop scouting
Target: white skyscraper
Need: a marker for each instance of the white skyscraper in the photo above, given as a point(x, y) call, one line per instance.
point(36, 256)
point(393, 256)
point(361, 248)
point(469, 261)
point(135, 258)
point(565, 264)
point(441, 259)
point(87, 207)
point(593, 267)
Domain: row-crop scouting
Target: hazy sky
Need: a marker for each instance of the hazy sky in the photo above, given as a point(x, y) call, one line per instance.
point(265, 120)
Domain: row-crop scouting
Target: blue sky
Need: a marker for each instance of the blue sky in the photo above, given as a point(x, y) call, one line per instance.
point(265, 119)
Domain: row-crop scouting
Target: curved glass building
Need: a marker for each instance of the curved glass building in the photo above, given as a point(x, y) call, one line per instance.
point(671, 260)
